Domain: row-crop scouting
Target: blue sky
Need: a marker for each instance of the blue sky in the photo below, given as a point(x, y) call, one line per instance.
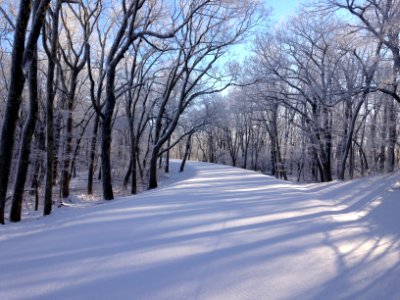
point(282, 8)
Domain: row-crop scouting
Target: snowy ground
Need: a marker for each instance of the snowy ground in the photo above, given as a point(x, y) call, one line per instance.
point(215, 232)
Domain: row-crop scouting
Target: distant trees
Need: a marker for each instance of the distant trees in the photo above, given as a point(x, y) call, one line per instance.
point(201, 43)
point(322, 102)
point(379, 19)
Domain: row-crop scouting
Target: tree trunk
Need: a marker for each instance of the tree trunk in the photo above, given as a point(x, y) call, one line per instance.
point(23, 162)
point(153, 169)
point(273, 158)
point(106, 175)
point(22, 56)
point(187, 152)
point(106, 139)
point(40, 141)
point(72, 169)
point(17, 81)
point(66, 172)
point(349, 138)
point(48, 195)
point(351, 163)
point(383, 141)
point(92, 155)
point(167, 157)
point(134, 176)
point(66, 176)
point(327, 145)
point(127, 175)
point(391, 136)
point(134, 154)
point(280, 164)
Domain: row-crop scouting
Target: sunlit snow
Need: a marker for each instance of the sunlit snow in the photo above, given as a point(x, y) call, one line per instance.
point(214, 232)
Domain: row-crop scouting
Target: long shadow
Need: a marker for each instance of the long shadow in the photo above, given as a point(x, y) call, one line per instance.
point(203, 238)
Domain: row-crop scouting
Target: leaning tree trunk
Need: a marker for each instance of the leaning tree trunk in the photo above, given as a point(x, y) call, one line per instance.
point(29, 128)
point(21, 56)
point(17, 81)
point(187, 152)
point(127, 175)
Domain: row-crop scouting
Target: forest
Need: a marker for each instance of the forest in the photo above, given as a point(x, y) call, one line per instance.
point(105, 93)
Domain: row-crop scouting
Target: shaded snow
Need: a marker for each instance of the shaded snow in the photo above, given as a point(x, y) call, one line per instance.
point(214, 232)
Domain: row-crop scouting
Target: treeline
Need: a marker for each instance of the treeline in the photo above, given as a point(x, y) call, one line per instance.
point(74, 72)
point(325, 102)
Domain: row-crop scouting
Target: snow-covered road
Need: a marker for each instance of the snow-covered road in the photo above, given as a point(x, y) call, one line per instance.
point(216, 233)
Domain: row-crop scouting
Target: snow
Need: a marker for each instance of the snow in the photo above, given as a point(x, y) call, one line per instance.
point(214, 232)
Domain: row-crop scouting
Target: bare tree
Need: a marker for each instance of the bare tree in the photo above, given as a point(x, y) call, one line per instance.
point(75, 59)
point(29, 127)
point(21, 60)
point(202, 41)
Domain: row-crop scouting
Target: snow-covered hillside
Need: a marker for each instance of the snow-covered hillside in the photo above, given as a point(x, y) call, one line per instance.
point(216, 233)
